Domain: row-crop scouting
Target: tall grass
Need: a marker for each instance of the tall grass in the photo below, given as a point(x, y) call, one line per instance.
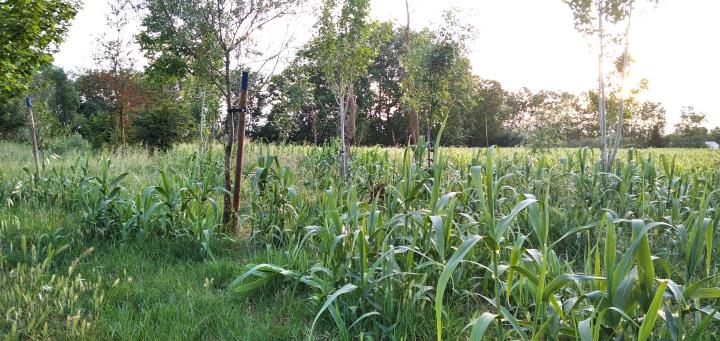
point(539, 248)
point(483, 244)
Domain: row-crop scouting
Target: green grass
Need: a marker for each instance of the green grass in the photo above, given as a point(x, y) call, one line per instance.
point(166, 294)
point(153, 290)
point(157, 289)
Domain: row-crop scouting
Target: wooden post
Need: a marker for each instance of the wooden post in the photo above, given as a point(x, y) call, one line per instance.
point(240, 148)
point(33, 135)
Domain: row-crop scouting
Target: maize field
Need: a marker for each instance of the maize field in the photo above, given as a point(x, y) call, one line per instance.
point(479, 244)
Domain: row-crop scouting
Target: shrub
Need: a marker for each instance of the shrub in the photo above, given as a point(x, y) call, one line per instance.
point(161, 128)
point(74, 143)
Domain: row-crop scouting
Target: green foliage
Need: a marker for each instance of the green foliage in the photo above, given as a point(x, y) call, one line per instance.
point(58, 285)
point(656, 139)
point(534, 263)
point(98, 129)
point(30, 31)
point(162, 127)
point(439, 75)
point(55, 104)
point(12, 119)
point(586, 12)
point(344, 46)
point(691, 123)
point(64, 101)
point(690, 132)
point(71, 144)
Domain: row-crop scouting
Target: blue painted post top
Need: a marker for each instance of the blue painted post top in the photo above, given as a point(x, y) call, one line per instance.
point(28, 101)
point(245, 77)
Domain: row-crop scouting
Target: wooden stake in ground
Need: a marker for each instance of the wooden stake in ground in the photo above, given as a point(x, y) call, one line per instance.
point(242, 111)
point(33, 135)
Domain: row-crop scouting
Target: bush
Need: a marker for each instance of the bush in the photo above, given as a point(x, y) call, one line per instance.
point(74, 143)
point(161, 128)
point(97, 129)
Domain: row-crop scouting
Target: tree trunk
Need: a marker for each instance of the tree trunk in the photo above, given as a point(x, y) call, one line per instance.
point(314, 126)
point(123, 124)
point(429, 141)
point(33, 137)
point(414, 127)
point(227, 199)
point(343, 146)
point(487, 139)
point(391, 128)
point(352, 107)
point(202, 126)
point(413, 114)
point(601, 92)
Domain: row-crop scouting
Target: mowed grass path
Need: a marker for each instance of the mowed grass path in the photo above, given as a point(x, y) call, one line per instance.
point(157, 289)
point(167, 295)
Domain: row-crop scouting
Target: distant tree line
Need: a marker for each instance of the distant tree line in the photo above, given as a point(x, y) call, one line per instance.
point(424, 72)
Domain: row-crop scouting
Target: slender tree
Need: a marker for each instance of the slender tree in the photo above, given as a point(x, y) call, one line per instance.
point(591, 19)
point(344, 54)
point(414, 122)
point(114, 56)
point(33, 135)
point(212, 38)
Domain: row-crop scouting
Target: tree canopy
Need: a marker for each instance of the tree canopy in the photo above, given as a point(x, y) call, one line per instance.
point(30, 31)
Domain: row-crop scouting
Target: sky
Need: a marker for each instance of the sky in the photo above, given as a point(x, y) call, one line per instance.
point(524, 43)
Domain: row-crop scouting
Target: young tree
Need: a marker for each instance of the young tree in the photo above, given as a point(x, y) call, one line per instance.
point(290, 96)
point(656, 139)
point(436, 65)
point(127, 98)
point(161, 126)
point(591, 18)
point(690, 132)
point(64, 101)
point(691, 123)
point(715, 134)
point(414, 121)
point(210, 38)
point(95, 106)
point(344, 54)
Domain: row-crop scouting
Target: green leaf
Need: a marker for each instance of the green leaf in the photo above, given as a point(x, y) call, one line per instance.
point(447, 272)
point(563, 280)
point(585, 329)
point(480, 325)
point(344, 290)
point(700, 328)
point(651, 315)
